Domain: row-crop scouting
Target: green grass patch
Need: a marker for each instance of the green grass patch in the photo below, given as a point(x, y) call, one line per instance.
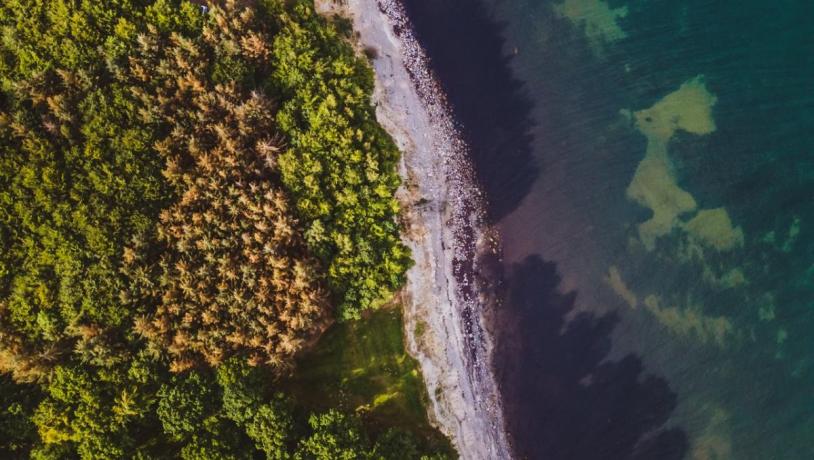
point(363, 367)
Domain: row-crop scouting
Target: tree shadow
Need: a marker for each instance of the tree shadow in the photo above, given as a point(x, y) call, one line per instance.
point(563, 398)
point(493, 108)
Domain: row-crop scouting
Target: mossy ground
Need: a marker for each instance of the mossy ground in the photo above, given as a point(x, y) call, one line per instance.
point(362, 366)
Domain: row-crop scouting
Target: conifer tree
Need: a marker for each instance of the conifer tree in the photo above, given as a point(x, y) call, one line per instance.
point(236, 275)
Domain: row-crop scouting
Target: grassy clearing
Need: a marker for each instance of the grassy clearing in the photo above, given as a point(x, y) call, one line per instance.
point(362, 366)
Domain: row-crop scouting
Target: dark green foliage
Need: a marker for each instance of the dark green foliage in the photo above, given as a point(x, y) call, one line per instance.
point(395, 445)
point(17, 433)
point(338, 436)
point(341, 165)
point(334, 436)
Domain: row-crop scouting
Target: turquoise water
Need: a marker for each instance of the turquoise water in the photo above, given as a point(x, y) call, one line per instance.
point(675, 141)
point(651, 169)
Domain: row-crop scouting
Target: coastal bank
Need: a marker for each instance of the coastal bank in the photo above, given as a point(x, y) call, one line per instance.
point(445, 228)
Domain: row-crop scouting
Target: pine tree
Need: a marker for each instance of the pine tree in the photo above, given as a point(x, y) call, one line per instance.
point(221, 158)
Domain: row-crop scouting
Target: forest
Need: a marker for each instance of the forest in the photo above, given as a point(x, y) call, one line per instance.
point(193, 195)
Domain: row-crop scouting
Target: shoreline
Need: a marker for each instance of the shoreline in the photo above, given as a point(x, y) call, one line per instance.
point(444, 212)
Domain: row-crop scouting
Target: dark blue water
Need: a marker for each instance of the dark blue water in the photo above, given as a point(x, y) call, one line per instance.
point(650, 165)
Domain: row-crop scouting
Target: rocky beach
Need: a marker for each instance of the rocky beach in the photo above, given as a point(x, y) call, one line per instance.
point(444, 212)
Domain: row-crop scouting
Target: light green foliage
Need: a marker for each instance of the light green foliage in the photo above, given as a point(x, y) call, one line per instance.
point(52, 452)
point(334, 436)
point(365, 365)
point(341, 165)
point(217, 439)
point(270, 428)
point(267, 421)
point(103, 412)
point(242, 390)
point(139, 411)
point(183, 404)
point(80, 408)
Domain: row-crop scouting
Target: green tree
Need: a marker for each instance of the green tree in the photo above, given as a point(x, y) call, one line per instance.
point(270, 427)
point(17, 433)
point(341, 165)
point(80, 411)
point(334, 436)
point(236, 275)
point(395, 444)
point(267, 420)
point(184, 403)
point(217, 439)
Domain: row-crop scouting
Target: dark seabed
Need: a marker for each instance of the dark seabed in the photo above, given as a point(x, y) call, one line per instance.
point(650, 166)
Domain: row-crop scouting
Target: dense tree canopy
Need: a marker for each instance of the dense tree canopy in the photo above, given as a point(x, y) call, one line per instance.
point(17, 403)
point(232, 413)
point(341, 164)
point(188, 197)
point(77, 178)
point(235, 275)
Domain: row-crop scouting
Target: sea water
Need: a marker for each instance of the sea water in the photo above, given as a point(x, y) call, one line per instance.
point(649, 165)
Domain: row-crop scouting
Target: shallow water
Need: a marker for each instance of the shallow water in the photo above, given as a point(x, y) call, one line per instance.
point(650, 166)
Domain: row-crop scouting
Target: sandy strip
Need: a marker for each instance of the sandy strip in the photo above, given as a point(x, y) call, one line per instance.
point(444, 213)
